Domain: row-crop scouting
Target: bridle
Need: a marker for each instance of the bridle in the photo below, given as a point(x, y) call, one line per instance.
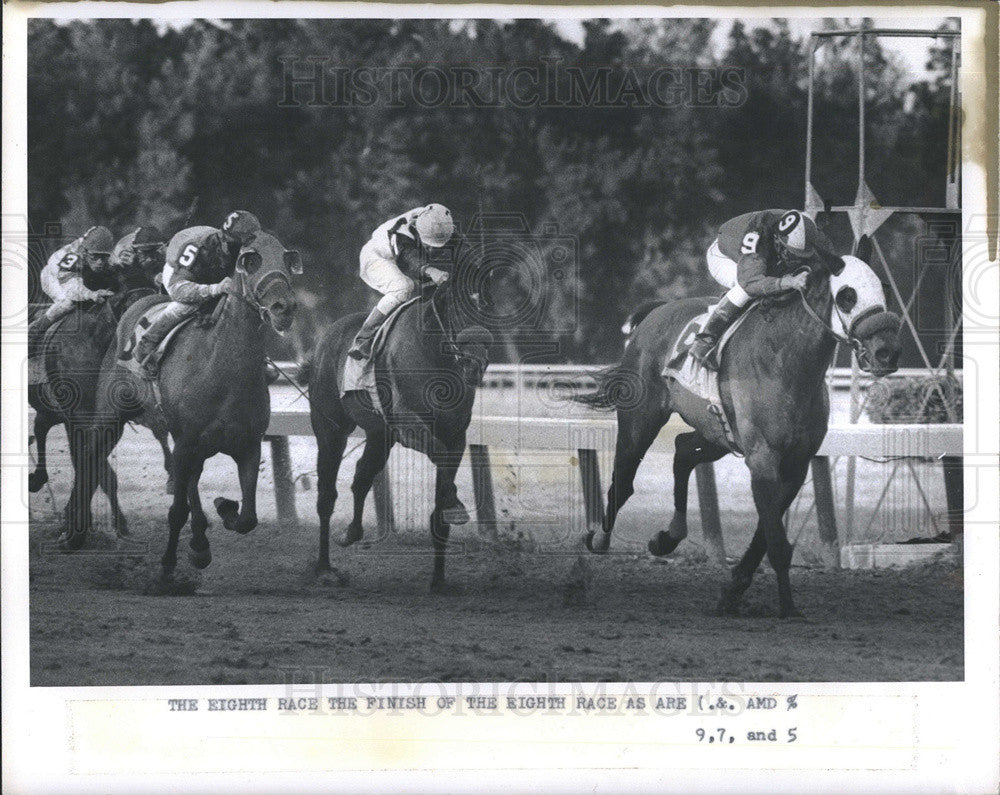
point(854, 342)
point(252, 296)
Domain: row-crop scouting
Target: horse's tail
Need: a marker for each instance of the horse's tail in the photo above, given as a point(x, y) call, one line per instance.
point(616, 387)
point(306, 369)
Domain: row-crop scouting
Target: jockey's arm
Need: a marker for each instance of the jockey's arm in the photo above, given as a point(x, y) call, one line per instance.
point(752, 276)
point(61, 284)
point(186, 291)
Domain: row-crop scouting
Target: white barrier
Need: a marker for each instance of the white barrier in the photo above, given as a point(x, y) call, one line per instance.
point(576, 437)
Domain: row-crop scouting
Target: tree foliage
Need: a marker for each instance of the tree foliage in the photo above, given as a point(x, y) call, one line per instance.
point(130, 121)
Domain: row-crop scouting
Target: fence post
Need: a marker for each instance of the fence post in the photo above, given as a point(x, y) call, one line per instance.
point(385, 517)
point(482, 488)
point(284, 485)
point(590, 479)
point(708, 502)
point(954, 494)
point(826, 514)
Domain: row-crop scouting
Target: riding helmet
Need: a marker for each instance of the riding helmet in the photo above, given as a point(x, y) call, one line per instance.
point(98, 240)
point(241, 226)
point(434, 225)
point(792, 233)
point(148, 237)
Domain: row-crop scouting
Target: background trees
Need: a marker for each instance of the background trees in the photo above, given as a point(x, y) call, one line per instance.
point(130, 121)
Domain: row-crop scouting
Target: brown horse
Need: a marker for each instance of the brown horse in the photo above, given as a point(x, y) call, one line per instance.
point(73, 350)
point(427, 374)
point(773, 390)
point(212, 391)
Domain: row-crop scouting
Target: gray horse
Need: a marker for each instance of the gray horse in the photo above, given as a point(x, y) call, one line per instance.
point(773, 390)
point(213, 393)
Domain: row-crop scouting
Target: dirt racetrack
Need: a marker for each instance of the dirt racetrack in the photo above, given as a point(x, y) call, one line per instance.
point(525, 607)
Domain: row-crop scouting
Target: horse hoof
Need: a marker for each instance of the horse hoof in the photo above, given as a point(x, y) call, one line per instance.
point(122, 530)
point(455, 515)
point(245, 526)
point(36, 480)
point(228, 511)
point(791, 613)
point(200, 558)
point(352, 536)
point(662, 544)
point(601, 545)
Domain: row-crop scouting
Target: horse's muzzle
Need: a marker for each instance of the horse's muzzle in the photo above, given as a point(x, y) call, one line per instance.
point(280, 313)
point(877, 344)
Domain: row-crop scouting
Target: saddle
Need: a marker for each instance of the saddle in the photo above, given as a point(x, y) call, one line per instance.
point(128, 338)
point(359, 376)
point(702, 383)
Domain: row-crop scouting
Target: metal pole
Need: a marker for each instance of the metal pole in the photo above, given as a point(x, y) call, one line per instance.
point(861, 105)
point(809, 117)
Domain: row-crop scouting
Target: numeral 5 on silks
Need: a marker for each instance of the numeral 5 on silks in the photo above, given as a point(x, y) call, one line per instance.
point(188, 256)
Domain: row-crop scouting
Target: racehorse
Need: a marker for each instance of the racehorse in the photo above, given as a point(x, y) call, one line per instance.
point(73, 351)
point(212, 391)
point(427, 374)
point(773, 391)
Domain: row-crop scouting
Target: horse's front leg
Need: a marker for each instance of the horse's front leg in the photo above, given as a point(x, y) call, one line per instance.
point(44, 422)
point(248, 465)
point(775, 483)
point(84, 455)
point(448, 509)
point(201, 553)
point(378, 444)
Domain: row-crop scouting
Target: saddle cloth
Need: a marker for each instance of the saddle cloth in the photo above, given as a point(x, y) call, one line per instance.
point(359, 375)
point(703, 382)
point(138, 331)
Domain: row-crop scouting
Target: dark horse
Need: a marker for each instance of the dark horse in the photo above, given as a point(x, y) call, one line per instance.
point(773, 390)
point(73, 351)
point(427, 374)
point(212, 392)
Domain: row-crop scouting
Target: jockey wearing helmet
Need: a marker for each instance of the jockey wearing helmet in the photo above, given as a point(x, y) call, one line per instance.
point(755, 255)
point(143, 249)
point(77, 273)
point(199, 265)
point(395, 250)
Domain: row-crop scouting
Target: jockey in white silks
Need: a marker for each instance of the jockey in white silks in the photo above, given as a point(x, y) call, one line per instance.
point(390, 260)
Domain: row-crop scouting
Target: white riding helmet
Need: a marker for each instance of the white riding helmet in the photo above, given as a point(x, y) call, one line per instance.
point(792, 232)
point(434, 225)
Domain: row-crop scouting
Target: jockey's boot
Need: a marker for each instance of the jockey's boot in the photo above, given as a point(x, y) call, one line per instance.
point(721, 318)
point(147, 346)
point(362, 347)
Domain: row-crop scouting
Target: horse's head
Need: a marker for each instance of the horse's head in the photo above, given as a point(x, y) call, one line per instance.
point(858, 313)
point(267, 267)
point(460, 308)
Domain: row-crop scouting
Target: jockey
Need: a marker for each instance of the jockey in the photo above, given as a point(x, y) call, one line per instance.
point(200, 262)
point(748, 249)
point(142, 249)
point(395, 251)
point(76, 273)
